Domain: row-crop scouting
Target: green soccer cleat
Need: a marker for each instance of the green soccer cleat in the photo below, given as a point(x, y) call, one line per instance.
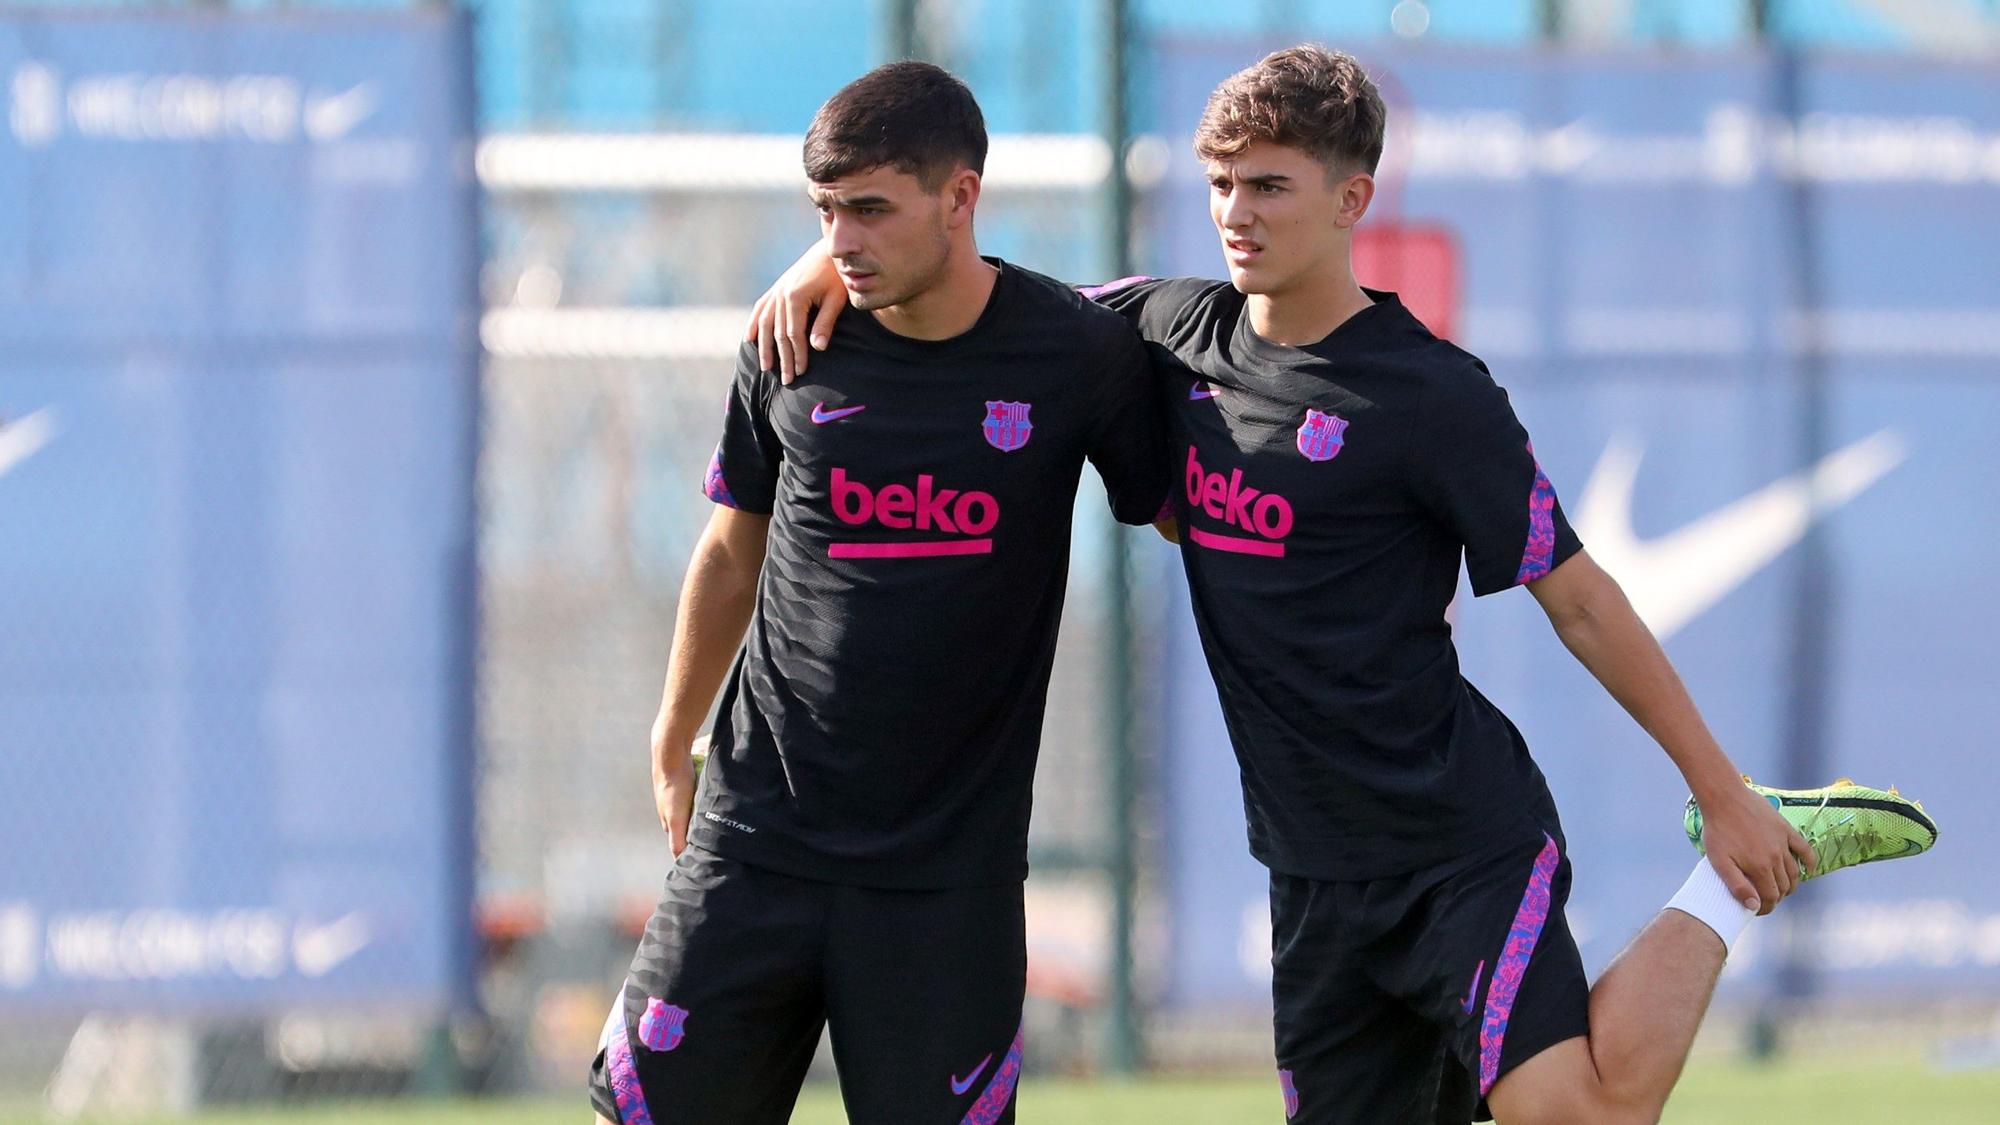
point(1846, 824)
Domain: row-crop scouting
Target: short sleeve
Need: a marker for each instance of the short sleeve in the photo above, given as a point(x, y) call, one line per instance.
point(1128, 439)
point(1478, 475)
point(1151, 305)
point(1123, 296)
point(743, 473)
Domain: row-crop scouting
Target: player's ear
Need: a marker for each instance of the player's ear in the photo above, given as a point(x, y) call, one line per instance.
point(961, 192)
point(1353, 194)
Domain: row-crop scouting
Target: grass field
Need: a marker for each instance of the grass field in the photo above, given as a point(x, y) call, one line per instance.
point(1805, 1092)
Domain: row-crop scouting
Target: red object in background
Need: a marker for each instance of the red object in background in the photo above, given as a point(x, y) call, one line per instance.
point(1419, 262)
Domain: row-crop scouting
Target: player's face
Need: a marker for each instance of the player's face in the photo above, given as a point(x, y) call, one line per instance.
point(1283, 218)
point(888, 236)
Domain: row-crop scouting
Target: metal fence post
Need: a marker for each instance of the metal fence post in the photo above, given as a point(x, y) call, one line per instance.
point(1126, 1048)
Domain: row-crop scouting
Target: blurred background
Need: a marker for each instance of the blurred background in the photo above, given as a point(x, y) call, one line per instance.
point(359, 363)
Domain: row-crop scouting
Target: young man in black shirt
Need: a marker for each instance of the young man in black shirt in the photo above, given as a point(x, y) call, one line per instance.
point(1336, 461)
point(894, 533)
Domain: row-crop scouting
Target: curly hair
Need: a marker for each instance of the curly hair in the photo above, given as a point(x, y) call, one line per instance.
point(1309, 97)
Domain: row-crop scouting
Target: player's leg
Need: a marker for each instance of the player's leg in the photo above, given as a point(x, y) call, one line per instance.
point(924, 992)
point(1644, 1012)
point(1646, 1008)
point(1347, 1051)
point(1480, 952)
point(722, 1010)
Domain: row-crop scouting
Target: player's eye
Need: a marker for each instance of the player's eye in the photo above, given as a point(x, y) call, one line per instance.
point(1268, 189)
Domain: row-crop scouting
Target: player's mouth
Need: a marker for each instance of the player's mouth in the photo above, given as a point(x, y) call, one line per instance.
point(1242, 251)
point(860, 281)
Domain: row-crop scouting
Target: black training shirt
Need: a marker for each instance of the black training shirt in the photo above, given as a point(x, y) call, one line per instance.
point(1326, 496)
point(881, 725)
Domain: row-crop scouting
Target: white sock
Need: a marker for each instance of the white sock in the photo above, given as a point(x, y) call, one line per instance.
point(1707, 899)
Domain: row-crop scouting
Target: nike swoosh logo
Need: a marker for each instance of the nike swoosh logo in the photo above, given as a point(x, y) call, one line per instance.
point(21, 438)
point(1677, 577)
point(334, 116)
point(958, 1088)
point(1200, 391)
point(1472, 994)
point(821, 415)
point(318, 950)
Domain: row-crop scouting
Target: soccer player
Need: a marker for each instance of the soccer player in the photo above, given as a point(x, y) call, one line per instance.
point(894, 532)
point(1337, 461)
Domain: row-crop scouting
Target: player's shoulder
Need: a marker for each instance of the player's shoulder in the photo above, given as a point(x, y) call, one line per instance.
point(1043, 296)
point(1434, 365)
point(1164, 292)
point(1454, 387)
point(1046, 302)
point(1449, 368)
point(749, 366)
point(1158, 304)
point(1195, 292)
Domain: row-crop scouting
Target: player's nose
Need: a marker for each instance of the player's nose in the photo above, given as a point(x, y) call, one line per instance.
point(842, 240)
point(1233, 211)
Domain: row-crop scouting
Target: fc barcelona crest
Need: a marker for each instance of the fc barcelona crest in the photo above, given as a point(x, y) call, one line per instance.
point(1007, 426)
point(1322, 435)
point(663, 1025)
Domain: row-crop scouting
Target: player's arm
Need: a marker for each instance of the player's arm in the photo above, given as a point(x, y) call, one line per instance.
point(796, 315)
point(720, 590)
point(781, 318)
point(1756, 852)
point(1128, 430)
point(716, 601)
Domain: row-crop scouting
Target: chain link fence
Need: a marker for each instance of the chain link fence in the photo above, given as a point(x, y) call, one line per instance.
point(601, 414)
point(617, 272)
point(616, 280)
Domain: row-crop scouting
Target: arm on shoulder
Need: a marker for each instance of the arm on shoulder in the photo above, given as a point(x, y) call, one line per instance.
point(807, 298)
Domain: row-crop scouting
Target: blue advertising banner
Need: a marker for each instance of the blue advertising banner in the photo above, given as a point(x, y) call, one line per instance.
point(1659, 262)
point(238, 391)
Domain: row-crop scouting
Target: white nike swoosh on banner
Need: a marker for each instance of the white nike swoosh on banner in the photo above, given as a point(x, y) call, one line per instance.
point(21, 438)
point(1676, 577)
point(333, 116)
point(319, 949)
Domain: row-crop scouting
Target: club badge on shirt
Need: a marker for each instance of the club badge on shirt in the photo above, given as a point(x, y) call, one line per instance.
point(1322, 435)
point(1007, 426)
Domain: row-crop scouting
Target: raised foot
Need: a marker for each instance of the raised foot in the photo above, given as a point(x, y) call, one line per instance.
point(1846, 824)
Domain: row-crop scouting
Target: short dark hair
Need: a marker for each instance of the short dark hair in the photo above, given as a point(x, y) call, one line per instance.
point(912, 116)
point(1309, 97)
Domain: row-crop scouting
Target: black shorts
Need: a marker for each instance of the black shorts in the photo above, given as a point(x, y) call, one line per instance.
point(740, 968)
point(1403, 1000)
